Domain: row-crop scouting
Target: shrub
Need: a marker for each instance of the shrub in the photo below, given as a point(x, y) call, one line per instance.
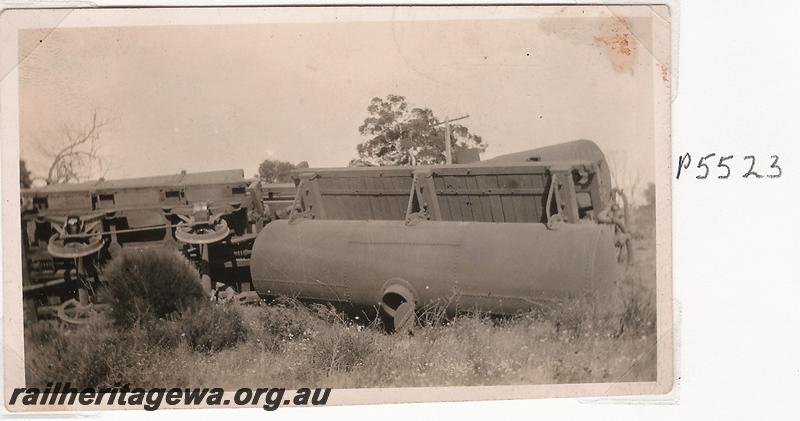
point(341, 349)
point(166, 334)
point(92, 355)
point(150, 284)
point(213, 328)
point(283, 321)
point(639, 312)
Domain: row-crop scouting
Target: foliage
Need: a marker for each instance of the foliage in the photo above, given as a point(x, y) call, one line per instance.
point(213, 328)
point(316, 350)
point(204, 328)
point(25, 178)
point(650, 195)
point(150, 284)
point(78, 155)
point(274, 171)
point(341, 350)
point(284, 321)
point(93, 355)
point(403, 136)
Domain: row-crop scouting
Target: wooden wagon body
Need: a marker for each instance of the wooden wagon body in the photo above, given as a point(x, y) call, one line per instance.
point(522, 187)
point(511, 234)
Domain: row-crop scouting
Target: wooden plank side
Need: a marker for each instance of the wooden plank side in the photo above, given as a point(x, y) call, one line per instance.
point(510, 203)
point(338, 204)
point(389, 203)
point(475, 200)
point(324, 184)
point(498, 211)
point(465, 204)
point(486, 200)
point(399, 203)
point(453, 201)
point(538, 209)
point(381, 201)
point(347, 203)
point(375, 211)
point(528, 205)
point(538, 180)
point(319, 206)
point(361, 206)
point(518, 200)
point(515, 168)
point(508, 208)
point(444, 204)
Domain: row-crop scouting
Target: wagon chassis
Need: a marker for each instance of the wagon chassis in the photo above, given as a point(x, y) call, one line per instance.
point(70, 232)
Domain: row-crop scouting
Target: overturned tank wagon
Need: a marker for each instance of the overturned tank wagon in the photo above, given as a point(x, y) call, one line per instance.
point(519, 232)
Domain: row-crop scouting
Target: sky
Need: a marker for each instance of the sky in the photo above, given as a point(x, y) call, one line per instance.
point(210, 97)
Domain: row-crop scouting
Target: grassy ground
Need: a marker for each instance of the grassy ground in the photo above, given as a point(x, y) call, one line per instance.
point(290, 344)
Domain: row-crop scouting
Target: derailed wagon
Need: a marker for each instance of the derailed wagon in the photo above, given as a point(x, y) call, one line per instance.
point(519, 232)
point(69, 232)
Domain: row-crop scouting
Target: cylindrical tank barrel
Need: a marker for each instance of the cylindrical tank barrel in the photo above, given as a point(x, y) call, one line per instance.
point(495, 267)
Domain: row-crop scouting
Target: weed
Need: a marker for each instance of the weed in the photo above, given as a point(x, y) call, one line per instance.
point(213, 328)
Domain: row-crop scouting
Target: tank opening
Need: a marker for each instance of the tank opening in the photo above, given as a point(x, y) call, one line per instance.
point(398, 313)
point(393, 300)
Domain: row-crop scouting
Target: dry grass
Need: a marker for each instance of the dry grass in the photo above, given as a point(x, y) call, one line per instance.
point(291, 344)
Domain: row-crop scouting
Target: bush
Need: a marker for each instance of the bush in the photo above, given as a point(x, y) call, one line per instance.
point(166, 334)
point(283, 321)
point(213, 328)
point(92, 355)
point(149, 284)
point(341, 349)
point(639, 312)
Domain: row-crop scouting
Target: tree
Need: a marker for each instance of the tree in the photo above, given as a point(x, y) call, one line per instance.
point(77, 157)
point(650, 195)
point(405, 137)
point(274, 171)
point(624, 176)
point(25, 178)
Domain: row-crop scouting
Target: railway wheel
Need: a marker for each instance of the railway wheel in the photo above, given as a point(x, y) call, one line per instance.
point(75, 313)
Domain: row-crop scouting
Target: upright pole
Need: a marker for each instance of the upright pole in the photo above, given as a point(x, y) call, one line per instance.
point(448, 154)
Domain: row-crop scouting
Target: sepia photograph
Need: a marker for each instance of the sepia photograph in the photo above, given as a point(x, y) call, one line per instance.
point(451, 202)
